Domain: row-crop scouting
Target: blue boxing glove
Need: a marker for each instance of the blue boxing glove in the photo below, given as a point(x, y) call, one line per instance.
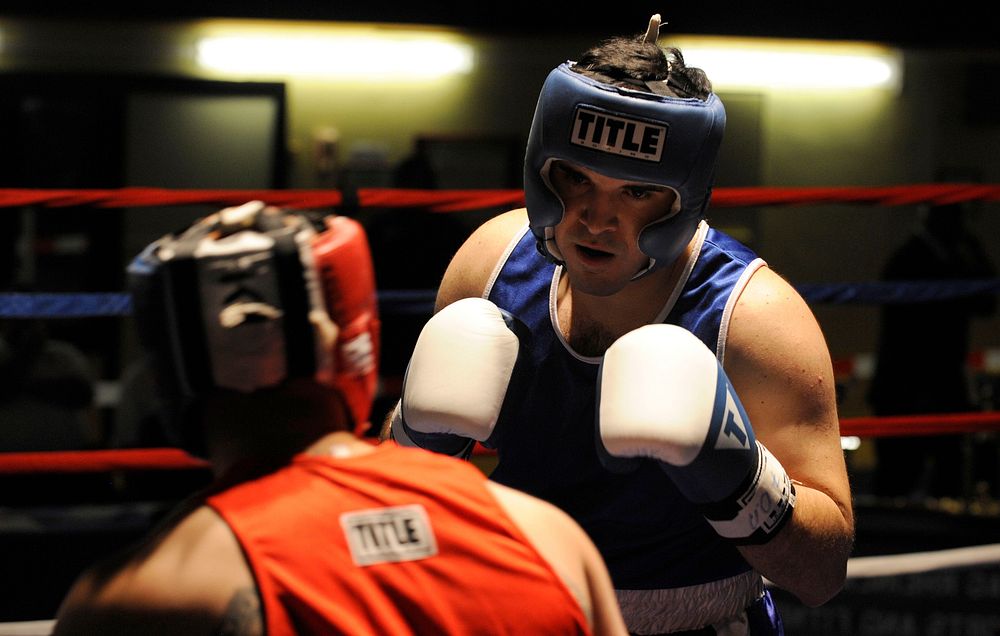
point(663, 395)
point(458, 378)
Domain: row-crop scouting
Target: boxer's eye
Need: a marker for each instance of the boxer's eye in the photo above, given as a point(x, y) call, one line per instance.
point(638, 192)
point(569, 175)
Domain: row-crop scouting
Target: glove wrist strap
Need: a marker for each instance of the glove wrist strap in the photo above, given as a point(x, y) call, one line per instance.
point(760, 508)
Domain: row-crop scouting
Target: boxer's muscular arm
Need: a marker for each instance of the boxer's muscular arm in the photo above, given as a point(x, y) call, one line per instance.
point(779, 364)
point(472, 265)
point(192, 579)
point(571, 554)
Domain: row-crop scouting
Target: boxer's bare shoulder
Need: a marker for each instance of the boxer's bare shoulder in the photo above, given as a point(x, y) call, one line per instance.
point(472, 265)
point(192, 569)
point(570, 553)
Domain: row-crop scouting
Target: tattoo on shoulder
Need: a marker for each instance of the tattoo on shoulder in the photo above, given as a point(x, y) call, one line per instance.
point(243, 615)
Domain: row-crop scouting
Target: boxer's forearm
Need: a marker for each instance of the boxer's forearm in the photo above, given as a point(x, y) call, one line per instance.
point(808, 557)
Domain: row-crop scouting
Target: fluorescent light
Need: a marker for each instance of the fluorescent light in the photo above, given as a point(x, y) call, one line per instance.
point(351, 56)
point(791, 70)
point(807, 66)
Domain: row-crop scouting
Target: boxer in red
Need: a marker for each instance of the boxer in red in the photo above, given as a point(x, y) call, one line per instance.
point(264, 323)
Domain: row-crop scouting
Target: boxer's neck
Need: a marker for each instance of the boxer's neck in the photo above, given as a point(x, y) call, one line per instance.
point(591, 323)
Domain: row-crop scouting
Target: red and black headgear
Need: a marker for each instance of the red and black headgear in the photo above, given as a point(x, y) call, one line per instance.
point(254, 295)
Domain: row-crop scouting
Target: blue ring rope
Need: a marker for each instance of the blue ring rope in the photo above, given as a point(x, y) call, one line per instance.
point(421, 302)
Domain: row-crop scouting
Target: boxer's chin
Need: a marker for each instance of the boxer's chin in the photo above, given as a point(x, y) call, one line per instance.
point(599, 273)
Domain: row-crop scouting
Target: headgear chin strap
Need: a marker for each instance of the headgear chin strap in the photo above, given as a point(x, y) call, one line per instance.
point(252, 296)
point(624, 134)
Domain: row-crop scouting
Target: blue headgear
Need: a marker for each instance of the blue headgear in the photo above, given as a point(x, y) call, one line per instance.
point(624, 134)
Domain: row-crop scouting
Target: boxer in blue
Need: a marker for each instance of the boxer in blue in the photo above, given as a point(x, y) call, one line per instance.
point(645, 372)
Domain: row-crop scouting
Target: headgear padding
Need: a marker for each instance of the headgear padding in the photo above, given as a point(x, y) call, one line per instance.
point(252, 296)
point(624, 134)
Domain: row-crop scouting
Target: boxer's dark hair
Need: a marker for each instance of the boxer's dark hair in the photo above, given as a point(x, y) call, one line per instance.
point(630, 63)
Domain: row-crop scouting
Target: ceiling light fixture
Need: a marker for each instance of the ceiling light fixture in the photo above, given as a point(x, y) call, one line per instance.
point(793, 65)
point(391, 56)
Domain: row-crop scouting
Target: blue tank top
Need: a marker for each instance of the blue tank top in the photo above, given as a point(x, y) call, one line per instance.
point(650, 536)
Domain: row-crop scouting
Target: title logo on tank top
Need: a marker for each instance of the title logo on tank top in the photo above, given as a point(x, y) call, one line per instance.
point(618, 135)
point(389, 535)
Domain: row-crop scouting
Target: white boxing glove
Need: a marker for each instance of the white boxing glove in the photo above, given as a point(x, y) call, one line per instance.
point(663, 395)
point(458, 377)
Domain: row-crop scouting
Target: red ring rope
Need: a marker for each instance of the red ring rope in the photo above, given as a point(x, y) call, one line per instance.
point(457, 200)
point(95, 461)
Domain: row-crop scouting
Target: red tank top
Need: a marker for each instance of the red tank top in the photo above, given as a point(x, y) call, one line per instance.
point(399, 541)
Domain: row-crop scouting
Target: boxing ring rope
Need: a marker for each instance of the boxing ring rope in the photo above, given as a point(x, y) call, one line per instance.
point(98, 461)
point(458, 200)
point(168, 459)
point(90, 305)
point(77, 305)
point(433, 200)
point(446, 201)
point(859, 571)
point(27, 628)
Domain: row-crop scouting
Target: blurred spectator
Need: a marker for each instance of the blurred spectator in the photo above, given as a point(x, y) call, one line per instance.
point(922, 353)
point(46, 392)
point(46, 386)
